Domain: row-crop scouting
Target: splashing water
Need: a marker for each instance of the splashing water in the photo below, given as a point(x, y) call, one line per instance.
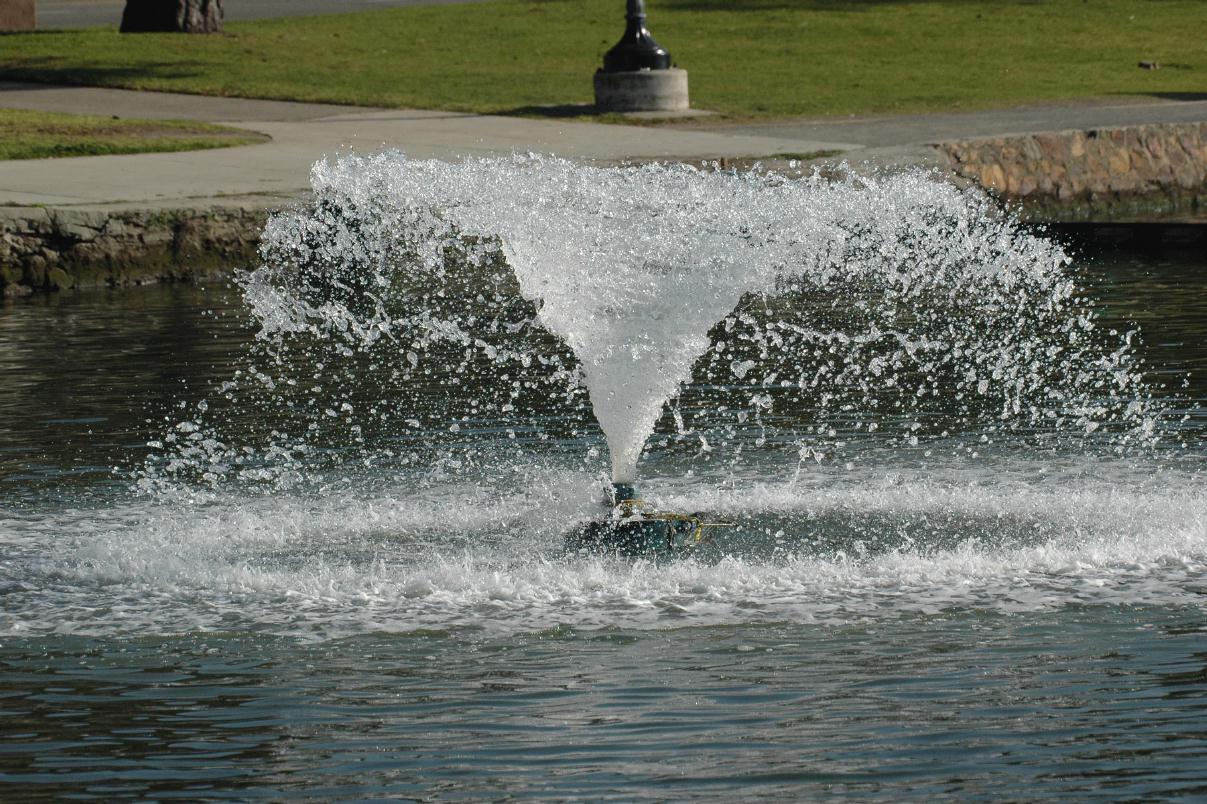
point(811, 313)
point(885, 383)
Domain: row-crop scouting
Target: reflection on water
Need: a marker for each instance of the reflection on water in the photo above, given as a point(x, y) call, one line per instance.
point(959, 705)
point(89, 376)
point(1003, 626)
point(1158, 285)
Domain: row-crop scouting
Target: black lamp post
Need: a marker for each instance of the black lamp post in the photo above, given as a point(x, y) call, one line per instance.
point(637, 75)
point(637, 49)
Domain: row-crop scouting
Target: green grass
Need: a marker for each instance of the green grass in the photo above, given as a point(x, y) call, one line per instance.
point(747, 58)
point(41, 135)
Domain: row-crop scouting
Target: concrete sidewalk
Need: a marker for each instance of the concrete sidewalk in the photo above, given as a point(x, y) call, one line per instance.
point(901, 130)
point(303, 133)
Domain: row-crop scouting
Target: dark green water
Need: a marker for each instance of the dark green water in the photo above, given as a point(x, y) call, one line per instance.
point(1084, 703)
point(1008, 627)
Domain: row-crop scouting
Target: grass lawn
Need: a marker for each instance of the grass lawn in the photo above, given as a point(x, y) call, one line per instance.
point(747, 58)
point(39, 135)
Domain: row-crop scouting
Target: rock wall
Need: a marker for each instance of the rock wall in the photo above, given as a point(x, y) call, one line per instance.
point(1105, 172)
point(57, 249)
point(1072, 175)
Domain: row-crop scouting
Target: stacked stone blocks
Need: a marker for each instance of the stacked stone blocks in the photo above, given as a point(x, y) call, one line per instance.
point(1080, 173)
point(58, 249)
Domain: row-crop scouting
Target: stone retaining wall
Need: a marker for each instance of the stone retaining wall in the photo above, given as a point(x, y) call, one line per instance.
point(56, 249)
point(1068, 175)
point(1107, 172)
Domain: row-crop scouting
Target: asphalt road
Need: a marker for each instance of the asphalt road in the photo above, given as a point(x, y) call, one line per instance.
point(59, 14)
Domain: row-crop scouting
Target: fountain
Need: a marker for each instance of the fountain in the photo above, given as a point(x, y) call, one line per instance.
point(806, 315)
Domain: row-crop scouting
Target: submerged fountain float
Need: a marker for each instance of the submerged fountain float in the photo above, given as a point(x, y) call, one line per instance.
point(809, 313)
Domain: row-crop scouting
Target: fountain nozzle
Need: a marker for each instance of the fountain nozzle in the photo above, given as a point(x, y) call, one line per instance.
point(623, 493)
point(635, 529)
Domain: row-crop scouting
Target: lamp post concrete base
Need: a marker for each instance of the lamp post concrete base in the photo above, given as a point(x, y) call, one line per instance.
point(642, 91)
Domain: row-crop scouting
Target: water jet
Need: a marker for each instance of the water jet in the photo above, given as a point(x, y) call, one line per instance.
point(490, 310)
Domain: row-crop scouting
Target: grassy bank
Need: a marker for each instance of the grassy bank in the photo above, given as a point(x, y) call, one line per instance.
point(747, 58)
point(40, 135)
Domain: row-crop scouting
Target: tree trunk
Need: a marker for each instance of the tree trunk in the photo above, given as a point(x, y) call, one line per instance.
point(187, 16)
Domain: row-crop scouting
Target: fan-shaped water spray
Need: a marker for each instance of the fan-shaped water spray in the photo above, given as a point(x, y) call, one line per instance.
point(811, 313)
point(900, 398)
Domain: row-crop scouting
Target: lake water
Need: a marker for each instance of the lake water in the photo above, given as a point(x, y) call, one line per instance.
point(902, 621)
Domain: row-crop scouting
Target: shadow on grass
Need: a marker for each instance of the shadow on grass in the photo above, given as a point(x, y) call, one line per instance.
point(47, 71)
point(590, 113)
point(1179, 96)
point(558, 110)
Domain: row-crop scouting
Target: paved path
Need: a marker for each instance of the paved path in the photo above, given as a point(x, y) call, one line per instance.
point(879, 132)
point(58, 14)
point(303, 133)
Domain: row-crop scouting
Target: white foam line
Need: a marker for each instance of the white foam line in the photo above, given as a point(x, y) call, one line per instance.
point(334, 566)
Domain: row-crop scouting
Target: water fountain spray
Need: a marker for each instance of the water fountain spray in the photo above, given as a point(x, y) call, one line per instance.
point(808, 313)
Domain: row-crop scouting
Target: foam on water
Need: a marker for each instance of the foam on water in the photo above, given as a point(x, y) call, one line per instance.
point(469, 556)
